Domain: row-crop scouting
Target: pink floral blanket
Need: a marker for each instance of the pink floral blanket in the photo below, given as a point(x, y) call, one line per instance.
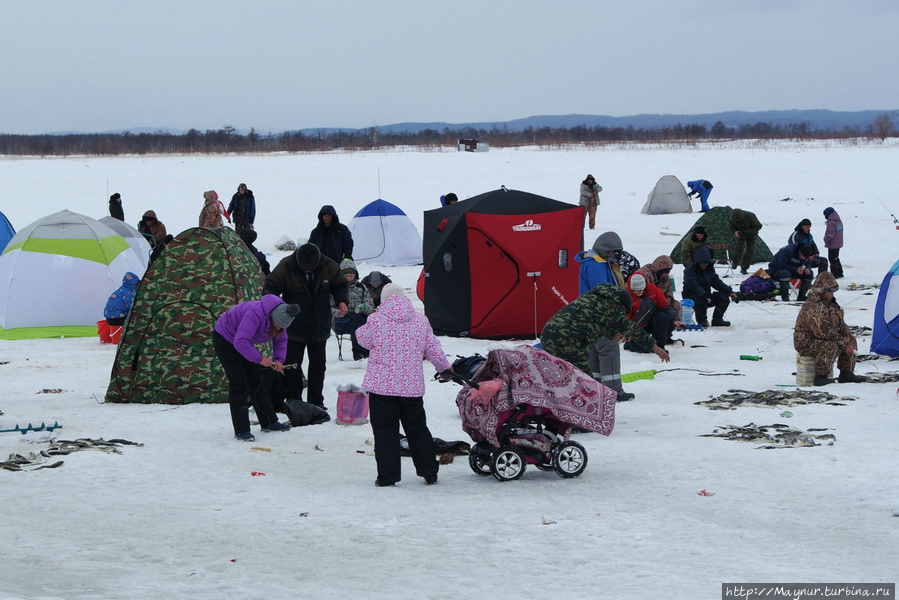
point(527, 375)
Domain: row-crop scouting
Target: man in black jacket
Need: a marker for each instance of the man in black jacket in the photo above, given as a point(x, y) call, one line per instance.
point(699, 279)
point(332, 237)
point(310, 280)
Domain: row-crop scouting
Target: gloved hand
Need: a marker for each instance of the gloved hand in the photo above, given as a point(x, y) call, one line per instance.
point(445, 376)
point(360, 309)
point(707, 299)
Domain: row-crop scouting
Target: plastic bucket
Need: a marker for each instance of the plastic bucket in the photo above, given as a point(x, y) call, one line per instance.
point(805, 370)
point(352, 408)
point(115, 333)
point(686, 312)
point(103, 332)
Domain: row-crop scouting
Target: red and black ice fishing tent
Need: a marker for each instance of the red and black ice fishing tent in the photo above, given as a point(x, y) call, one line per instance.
point(499, 265)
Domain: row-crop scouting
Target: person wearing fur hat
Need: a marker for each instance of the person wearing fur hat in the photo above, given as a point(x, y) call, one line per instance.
point(331, 236)
point(243, 208)
point(589, 199)
point(399, 339)
point(375, 282)
point(597, 316)
point(312, 281)
point(821, 331)
point(237, 333)
point(248, 236)
point(359, 306)
point(802, 234)
point(212, 213)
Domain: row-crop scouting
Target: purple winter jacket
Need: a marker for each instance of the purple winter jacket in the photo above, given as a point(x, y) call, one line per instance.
point(249, 323)
point(833, 234)
point(399, 338)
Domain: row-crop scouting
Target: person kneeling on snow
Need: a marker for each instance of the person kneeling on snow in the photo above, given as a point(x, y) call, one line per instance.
point(237, 332)
point(119, 304)
point(586, 333)
point(398, 339)
point(820, 331)
point(699, 279)
point(651, 311)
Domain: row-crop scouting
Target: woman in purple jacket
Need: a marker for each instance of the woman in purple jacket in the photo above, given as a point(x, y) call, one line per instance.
point(237, 332)
point(398, 338)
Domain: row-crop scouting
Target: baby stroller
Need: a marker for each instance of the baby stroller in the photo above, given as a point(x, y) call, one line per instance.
point(520, 408)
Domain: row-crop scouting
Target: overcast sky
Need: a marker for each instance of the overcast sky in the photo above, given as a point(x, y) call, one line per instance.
point(97, 65)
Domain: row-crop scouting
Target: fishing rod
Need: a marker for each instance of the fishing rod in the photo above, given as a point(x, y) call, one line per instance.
point(895, 220)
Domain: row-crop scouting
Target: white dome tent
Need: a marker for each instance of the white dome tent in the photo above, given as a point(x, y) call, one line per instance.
point(384, 235)
point(56, 275)
point(668, 196)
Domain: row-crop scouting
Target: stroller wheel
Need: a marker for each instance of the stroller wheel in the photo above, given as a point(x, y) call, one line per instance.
point(569, 459)
point(508, 464)
point(479, 459)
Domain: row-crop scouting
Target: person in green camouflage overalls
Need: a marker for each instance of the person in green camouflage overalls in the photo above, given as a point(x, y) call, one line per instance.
point(598, 314)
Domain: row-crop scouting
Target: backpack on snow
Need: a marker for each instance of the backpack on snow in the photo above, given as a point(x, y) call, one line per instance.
point(758, 288)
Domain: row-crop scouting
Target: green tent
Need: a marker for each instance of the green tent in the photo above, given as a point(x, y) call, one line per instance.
point(720, 235)
point(165, 354)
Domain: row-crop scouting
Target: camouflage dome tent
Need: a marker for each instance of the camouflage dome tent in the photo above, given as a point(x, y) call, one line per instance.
point(165, 354)
point(718, 232)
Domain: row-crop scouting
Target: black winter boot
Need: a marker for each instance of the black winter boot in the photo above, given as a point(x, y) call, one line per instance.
point(803, 290)
point(822, 380)
point(785, 290)
point(718, 318)
point(850, 377)
point(836, 267)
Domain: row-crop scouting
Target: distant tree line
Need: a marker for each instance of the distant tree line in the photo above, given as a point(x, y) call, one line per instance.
point(229, 140)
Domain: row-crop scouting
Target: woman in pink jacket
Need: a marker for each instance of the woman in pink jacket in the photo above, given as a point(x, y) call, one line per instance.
point(398, 338)
point(237, 333)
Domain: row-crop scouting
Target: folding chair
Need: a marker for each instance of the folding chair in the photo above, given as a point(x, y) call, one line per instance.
point(340, 338)
point(726, 260)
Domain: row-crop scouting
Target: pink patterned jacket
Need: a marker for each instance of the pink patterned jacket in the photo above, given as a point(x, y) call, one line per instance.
point(399, 339)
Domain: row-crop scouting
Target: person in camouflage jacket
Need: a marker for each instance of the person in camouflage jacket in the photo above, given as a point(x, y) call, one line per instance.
point(311, 280)
point(698, 238)
point(598, 316)
point(820, 331)
point(745, 226)
point(359, 306)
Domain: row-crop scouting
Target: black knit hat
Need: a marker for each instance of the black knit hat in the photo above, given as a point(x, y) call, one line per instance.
point(307, 256)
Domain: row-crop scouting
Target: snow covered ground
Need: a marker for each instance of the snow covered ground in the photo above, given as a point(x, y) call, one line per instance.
point(182, 516)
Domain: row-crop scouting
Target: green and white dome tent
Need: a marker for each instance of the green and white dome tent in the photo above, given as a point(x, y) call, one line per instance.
point(56, 275)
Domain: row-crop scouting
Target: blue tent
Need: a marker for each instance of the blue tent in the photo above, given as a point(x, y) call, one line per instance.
point(885, 336)
point(384, 235)
point(6, 232)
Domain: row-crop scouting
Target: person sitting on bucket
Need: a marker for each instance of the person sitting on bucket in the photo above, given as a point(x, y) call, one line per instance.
point(119, 304)
point(821, 332)
point(699, 280)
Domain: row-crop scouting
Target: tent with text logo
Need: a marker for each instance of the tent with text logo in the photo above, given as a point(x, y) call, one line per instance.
point(499, 265)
